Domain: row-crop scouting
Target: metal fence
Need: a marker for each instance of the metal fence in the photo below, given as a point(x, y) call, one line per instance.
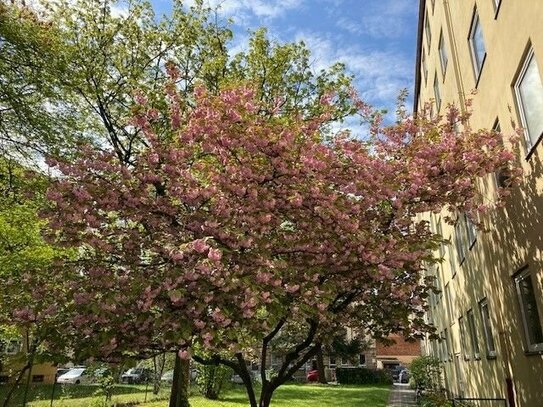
point(479, 402)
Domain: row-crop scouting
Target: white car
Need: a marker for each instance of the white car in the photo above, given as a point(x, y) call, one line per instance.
point(168, 376)
point(77, 375)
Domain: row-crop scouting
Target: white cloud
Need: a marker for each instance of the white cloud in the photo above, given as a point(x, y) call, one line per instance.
point(259, 8)
point(381, 19)
point(379, 74)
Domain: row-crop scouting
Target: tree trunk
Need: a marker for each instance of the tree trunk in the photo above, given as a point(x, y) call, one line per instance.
point(28, 378)
point(266, 395)
point(247, 380)
point(158, 363)
point(10, 392)
point(179, 396)
point(320, 365)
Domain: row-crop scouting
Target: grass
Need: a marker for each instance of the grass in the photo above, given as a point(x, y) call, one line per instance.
point(291, 395)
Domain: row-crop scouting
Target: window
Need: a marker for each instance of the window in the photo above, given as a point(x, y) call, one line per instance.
point(38, 378)
point(439, 231)
point(447, 346)
point(362, 360)
point(437, 95)
point(459, 240)
point(496, 4)
point(529, 95)
point(464, 346)
point(13, 347)
point(503, 175)
point(529, 311)
point(471, 231)
point(424, 67)
point(448, 302)
point(477, 45)
point(332, 361)
point(442, 54)
point(452, 258)
point(487, 329)
point(427, 29)
point(473, 335)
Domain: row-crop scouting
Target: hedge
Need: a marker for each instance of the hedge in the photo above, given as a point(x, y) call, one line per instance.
point(360, 375)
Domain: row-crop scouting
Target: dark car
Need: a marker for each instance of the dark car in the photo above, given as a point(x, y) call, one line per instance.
point(136, 375)
point(395, 372)
point(404, 376)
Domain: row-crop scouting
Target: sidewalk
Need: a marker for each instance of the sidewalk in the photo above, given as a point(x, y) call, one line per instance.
point(401, 396)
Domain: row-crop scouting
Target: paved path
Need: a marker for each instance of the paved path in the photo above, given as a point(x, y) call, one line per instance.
point(401, 396)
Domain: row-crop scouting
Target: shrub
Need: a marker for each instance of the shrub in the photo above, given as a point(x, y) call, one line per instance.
point(211, 379)
point(426, 372)
point(360, 375)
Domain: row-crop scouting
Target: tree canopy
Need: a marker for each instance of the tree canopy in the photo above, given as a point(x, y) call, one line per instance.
point(237, 223)
point(203, 197)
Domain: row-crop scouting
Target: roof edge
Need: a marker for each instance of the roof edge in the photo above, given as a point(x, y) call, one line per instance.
point(420, 28)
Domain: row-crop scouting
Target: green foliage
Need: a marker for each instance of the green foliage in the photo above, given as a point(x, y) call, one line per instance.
point(434, 399)
point(211, 379)
point(360, 375)
point(426, 372)
point(68, 76)
point(343, 347)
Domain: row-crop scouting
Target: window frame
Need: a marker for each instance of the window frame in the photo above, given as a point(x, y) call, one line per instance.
point(459, 241)
point(443, 57)
point(477, 65)
point(463, 343)
point(13, 347)
point(502, 176)
point(525, 274)
point(487, 329)
point(471, 231)
point(531, 142)
point(424, 67)
point(330, 363)
point(496, 4)
point(437, 93)
point(428, 30)
point(472, 328)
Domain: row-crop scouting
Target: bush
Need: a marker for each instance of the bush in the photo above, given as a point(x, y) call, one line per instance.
point(426, 372)
point(211, 379)
point(435, 399)
point(360, 375)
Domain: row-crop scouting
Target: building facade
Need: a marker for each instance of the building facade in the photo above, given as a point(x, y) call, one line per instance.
point(489, 309)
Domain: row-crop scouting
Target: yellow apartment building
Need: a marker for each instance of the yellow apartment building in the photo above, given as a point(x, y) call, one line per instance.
point(489, 311)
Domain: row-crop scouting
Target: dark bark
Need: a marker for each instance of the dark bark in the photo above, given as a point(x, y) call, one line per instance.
point(239, 366)
point(179, 396)
point(320, 364)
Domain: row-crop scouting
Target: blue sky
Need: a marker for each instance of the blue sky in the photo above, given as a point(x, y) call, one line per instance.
point(376, 39)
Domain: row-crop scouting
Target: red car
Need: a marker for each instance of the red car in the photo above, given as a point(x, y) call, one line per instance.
point(313, 376)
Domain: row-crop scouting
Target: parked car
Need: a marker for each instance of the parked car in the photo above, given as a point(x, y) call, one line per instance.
point(313, 376)
point(61, 371)
point(168, 376)
point(395, 372)
point(77, 375)
point(404, 376)
point(137, 375)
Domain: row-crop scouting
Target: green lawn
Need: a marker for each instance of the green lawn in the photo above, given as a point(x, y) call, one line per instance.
point(291, 395)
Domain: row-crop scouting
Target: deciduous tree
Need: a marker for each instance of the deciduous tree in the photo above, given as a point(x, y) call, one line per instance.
point(240, 222)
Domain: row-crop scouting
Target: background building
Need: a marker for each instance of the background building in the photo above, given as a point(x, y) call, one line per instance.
point(490, 306)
